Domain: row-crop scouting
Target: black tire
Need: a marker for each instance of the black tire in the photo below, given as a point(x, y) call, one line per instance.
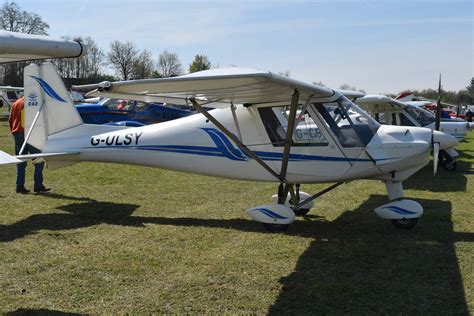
point(450, 165)
point(301, 211)
point(276, 228)
point(405, 223)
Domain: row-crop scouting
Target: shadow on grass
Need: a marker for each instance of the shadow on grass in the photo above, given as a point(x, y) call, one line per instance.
point(27, 311)
point(80, 215)
point(443, 181)
point(359, 264)
point(59, 196)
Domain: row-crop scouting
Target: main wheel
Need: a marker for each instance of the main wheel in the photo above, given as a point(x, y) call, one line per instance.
point(450, 165)
point(405, 223)
point(301, 211)
point(276, 228)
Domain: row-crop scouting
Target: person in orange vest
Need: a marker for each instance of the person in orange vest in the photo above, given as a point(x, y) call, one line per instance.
point(17, 128)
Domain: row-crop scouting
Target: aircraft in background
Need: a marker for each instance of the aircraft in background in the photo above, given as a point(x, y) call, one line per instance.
point(106, 111)
point(9, 94)
point(393, 112)
point(450, 111)
point(134, 113)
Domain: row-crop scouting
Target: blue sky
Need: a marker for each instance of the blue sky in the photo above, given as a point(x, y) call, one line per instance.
point(378, 46)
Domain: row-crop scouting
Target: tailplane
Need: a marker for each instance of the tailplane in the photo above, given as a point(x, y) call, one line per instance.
point(48, 107)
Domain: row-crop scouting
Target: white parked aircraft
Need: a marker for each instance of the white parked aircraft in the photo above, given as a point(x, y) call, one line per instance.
point(393, 112)
point(265, 127)
point(8, 95)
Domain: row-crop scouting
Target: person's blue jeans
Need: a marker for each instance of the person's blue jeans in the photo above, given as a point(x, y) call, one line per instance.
point(20, 168)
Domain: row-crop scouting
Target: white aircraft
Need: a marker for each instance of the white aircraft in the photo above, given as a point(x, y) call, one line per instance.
point(266, 127)
point(393, 112)
point(8, 95)
point(427, 104)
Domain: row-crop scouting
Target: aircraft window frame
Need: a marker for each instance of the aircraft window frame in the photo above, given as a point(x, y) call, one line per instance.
point(422, 116)
point(273, 119)
point(338, 116)
point(406, 119)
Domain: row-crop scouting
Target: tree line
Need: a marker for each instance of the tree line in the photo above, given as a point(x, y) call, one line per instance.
point(128, 62)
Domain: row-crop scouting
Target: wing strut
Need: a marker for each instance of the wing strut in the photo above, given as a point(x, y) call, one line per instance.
point(236, 140)
point(289, 133)
point(283, 189)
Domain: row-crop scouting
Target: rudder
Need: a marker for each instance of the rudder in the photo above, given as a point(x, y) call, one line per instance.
point(48, 107)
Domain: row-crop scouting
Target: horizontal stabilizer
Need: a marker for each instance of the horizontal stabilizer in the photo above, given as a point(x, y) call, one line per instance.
point(6, 159)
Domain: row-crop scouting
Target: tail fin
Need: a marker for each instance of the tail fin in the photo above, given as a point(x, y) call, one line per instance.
point(48, 107)
point(406, 96)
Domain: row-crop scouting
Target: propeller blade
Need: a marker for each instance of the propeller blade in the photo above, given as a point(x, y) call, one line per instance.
point(435, 157)
point(438, 106)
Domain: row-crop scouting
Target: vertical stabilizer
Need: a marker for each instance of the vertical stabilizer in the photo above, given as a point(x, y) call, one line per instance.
point(48, 107)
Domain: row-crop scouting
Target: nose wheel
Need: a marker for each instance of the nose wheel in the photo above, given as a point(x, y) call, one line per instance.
point(405, 223)
point(447, 162)
point(276, 228)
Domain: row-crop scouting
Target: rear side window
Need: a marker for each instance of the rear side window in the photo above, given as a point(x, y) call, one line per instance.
point(306, 133)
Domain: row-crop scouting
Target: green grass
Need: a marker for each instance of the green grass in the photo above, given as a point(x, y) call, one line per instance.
point(122, 239)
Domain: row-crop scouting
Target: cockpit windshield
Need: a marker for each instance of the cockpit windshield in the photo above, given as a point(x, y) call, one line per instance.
point(352, 126)
point(422, 116)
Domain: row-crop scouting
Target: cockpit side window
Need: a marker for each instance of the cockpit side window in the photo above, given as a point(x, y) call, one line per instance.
point(405, 121)
point(422, 116)
point(352, 126)
point(275, 120)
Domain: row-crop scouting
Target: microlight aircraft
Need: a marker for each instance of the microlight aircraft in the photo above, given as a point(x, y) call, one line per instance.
point(393, 112)
point(265, 127)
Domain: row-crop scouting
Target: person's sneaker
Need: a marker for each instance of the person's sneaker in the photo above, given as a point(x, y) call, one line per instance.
point(22, 190)
point(41, 188)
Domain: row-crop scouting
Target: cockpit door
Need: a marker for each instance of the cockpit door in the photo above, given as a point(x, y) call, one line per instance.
point(314, 153)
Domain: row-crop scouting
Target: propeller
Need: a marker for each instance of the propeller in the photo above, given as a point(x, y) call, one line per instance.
point(437, 127)
point(435, 157)
point(439, 107)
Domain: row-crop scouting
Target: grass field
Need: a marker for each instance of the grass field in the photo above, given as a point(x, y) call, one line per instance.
point(121, 239)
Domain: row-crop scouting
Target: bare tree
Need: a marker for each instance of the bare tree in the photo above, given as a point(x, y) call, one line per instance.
point(169, 64)
point(200, 62)
point(350, 88)
point(87, 66)
point(12, 18)
point(143, 65)
point(122, 57)
point(319, 83)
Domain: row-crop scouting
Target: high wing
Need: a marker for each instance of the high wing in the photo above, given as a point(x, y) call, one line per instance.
point(16, 47)
point(380, 103)
point(351, 94)
point(226, 85)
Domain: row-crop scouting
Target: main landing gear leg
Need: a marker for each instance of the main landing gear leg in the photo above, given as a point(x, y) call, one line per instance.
point(402, 212)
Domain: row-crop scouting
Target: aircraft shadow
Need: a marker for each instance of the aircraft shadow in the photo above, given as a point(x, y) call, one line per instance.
point(42, 311)
point(443, 181)
point(358, 266)
point(79, 215)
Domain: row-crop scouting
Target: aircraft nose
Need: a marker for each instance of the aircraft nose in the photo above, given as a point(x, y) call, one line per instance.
point(445, 140)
